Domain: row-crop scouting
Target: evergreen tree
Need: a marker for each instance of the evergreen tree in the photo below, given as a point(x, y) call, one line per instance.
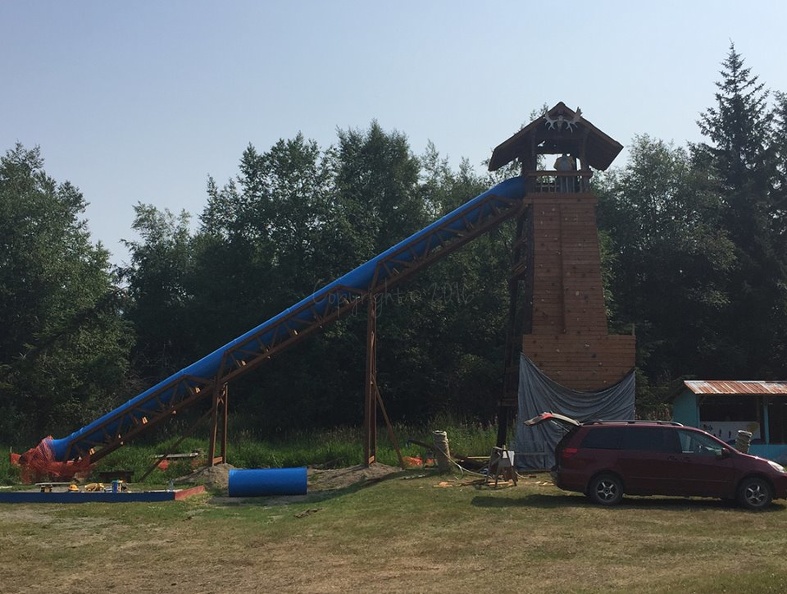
point(739, 128)
point(740, 159)
point(779, 181)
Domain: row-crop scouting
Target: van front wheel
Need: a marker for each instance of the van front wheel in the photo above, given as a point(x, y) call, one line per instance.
point(605, 489)
point(754, 493)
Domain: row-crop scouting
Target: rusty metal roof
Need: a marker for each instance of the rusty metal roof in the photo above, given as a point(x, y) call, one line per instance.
point(751, 387)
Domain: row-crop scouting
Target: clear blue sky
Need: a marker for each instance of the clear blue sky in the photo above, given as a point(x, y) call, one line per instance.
point(141, 101)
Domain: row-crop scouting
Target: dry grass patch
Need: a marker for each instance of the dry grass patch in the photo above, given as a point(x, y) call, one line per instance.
point(395, 535)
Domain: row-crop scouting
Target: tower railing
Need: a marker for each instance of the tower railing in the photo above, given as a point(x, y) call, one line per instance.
point(558, 182)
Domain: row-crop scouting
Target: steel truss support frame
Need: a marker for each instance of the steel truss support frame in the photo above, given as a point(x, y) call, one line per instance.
point(308, 317)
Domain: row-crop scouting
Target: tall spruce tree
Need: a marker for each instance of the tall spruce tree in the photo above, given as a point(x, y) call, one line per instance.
point(740, 159)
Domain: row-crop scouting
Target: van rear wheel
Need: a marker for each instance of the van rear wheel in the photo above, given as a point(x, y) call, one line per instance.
point(605, 489)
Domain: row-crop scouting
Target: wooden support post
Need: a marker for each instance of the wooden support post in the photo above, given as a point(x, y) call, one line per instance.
point(214, 427)
point(218, 422)
point(389, 426)
point(175, 445)
point(372, 397)
point(521, 269)
point(225, 420)
point(370, 390)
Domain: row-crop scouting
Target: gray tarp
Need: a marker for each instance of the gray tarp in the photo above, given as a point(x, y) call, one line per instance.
point(535, 446)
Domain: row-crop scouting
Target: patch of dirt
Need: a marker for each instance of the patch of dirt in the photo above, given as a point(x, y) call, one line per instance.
point(341, 478)
point(216, 478)
point(213, 477)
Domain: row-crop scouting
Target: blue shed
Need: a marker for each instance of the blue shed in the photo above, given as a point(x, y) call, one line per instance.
point(724, 407)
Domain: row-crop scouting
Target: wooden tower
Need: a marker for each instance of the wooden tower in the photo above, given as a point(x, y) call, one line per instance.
point(560, 313)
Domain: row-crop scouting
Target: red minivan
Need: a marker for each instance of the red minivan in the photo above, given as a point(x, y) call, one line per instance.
point(605, 459)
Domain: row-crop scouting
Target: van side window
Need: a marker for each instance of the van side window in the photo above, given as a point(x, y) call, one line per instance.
point(650, 439)
point(603, 438)
point(697, 443)
point(670, 440)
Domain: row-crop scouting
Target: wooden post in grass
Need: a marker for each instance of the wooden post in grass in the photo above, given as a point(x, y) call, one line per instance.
point(218, 419)
point(370, 387)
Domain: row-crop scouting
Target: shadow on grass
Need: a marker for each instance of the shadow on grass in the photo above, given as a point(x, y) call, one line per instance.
point(645, 503)
point(541, 501)
point(314, 496)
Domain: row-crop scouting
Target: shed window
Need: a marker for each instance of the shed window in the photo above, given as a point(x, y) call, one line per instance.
point(777, 417)
point(729, 408)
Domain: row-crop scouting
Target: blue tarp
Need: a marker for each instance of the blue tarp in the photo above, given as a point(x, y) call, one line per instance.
point(535, 446)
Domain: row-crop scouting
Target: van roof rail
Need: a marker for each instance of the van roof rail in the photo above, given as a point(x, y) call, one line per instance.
point(634, 422)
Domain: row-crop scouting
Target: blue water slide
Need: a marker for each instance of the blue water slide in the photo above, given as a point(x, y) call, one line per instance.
point(366, 278)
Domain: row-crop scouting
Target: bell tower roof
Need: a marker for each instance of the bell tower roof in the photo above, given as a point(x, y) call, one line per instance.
point(560, 130)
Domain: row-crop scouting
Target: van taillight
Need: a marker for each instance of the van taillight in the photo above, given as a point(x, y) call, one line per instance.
point(567, 453)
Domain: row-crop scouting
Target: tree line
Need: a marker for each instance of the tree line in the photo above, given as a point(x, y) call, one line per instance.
point(693, 246)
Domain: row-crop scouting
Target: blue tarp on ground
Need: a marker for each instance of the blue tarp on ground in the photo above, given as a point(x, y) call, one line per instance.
point(99, 496)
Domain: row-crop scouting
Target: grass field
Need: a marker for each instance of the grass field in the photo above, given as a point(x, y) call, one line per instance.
point(413, 531)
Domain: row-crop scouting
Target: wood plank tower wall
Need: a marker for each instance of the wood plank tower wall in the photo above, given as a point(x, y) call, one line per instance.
point(562, 317)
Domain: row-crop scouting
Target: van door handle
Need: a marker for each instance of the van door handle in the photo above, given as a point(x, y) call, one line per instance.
point(673, 459)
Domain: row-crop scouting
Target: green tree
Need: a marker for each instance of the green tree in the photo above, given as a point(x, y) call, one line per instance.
point(672, 258)
point(437, 332)
point(741, 158)
point(269, 238)
point(779, 181)
point(463, 316)
point(377, 186)
point(296, 218)
point(64, 347)
point(265, 231)
point(158, 280)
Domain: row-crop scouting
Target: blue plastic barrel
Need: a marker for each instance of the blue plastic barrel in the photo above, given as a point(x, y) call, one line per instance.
point(258, 482)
